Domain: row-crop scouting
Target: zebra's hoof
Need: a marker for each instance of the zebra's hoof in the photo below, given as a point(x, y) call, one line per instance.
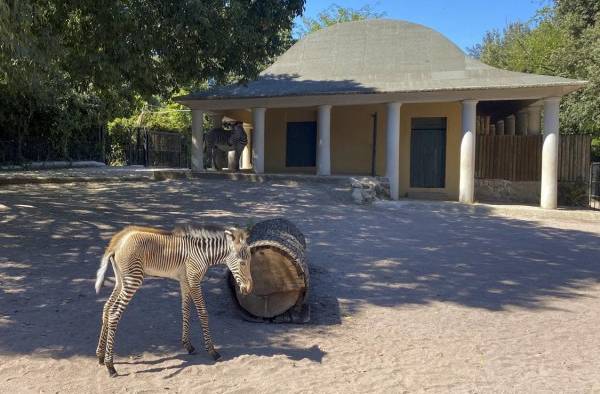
point(112, 371)
point(191, 350)
point(215, 355)
point(101, 360)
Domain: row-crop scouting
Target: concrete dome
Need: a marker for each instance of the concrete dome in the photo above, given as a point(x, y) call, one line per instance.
point(371, 50)
point(378, 56)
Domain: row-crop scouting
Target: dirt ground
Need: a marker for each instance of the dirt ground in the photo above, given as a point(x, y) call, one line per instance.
point(406, 296)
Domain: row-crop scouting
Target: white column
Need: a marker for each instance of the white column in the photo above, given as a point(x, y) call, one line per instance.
point(521, 127)
point(258, 145)
point(509, 125)
point(246, 154)
point(197, 140)
point(466, 192)
point(392, 156)
point(324, 140)
point(534, 120)
point(549, 189)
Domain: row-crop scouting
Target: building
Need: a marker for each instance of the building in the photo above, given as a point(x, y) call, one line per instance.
point(385, 97)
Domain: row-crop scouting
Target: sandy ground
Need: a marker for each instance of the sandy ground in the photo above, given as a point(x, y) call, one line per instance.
point(406, 297)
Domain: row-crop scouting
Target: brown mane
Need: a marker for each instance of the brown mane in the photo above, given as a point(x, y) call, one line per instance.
point(118, 236)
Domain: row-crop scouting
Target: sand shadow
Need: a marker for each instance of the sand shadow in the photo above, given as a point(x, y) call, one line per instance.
point(390, 256)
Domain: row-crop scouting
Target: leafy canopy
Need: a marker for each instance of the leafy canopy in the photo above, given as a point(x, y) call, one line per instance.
point(562, 40)
point(63, 61)
point(337, 14)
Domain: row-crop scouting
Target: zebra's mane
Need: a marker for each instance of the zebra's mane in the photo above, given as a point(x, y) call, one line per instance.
point(199, 231)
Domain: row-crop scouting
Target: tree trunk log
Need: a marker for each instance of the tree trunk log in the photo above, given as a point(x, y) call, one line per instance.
point(280, 274)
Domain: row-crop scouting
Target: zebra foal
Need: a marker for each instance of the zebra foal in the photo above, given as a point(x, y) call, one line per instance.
point(183, 254)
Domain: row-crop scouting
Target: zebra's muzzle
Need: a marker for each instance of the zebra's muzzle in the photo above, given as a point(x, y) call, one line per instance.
point(245, 289)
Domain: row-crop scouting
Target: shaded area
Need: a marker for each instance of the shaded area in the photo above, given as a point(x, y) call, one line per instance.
point(390, 255)
point(275, 85)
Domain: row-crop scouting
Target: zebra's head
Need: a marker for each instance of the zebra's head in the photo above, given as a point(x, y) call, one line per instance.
point(238, 259)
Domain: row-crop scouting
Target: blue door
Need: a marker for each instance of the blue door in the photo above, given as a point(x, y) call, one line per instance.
point(301, 145)
point(428, 153)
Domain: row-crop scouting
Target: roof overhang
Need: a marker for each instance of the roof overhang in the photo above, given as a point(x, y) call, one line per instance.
point(365, 98)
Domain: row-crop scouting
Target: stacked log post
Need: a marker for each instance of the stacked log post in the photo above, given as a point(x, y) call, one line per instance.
point(279, 272)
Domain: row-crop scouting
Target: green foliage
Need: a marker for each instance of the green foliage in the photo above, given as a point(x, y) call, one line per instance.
point(573, 194)
point(74, 64)
point(337, 14)
point(154, 115)
point(596, 149)
point(562, 40)
point(168, 117)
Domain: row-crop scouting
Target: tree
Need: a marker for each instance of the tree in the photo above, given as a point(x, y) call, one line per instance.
point(563, 40)
point(337, 14)
point(68, 63)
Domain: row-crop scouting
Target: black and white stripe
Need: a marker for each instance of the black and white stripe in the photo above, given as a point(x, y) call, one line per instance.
point(225, 140)
point(183, 254)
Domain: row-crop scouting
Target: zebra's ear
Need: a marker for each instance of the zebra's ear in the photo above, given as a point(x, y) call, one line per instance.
point(236, 235)
point(229, 234)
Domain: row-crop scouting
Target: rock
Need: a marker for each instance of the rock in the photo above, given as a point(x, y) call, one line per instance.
point(365, 190)
point(357, 195)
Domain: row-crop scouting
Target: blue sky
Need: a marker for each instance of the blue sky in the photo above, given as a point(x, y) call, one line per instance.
point(463, 21)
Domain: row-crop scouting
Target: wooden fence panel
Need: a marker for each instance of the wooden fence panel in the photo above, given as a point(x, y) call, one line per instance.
point(519, 157)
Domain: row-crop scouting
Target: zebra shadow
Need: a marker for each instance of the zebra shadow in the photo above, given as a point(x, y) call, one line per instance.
point(314, 354)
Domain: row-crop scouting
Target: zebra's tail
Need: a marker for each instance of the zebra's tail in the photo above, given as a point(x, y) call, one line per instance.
point(102, 270)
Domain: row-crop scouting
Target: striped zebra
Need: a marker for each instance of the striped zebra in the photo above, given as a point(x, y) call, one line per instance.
point(183, 254)
point(226, 140)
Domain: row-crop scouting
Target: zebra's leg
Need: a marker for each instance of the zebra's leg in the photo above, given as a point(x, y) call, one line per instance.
point(185, 311)
point(209, 152)
point(238, 154)
point(196, 292)
point(131, 282)
point(213, 163)
point(100, 350)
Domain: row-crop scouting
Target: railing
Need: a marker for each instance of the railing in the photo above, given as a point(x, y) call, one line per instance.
point(153, 148)
point(594, 191)
point(84, 145)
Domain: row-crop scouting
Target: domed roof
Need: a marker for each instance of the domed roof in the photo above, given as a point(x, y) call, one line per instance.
point(370, 50)
point(376, 56)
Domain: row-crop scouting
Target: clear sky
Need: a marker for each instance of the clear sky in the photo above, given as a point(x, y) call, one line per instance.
point(462, 21)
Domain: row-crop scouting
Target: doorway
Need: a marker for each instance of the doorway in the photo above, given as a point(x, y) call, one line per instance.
point(428, 152)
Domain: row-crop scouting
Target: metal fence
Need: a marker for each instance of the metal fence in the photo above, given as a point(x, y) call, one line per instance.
point(595, 186)
point(152, 148)
point(84, 145)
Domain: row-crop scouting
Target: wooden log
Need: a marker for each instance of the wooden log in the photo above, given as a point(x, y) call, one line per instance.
point(279, 272)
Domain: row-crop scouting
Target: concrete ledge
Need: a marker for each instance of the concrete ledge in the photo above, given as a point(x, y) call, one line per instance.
point(106, 174)
point(44, 165)
point(344, 180)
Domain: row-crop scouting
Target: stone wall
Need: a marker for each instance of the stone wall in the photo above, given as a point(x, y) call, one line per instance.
point(503, 191)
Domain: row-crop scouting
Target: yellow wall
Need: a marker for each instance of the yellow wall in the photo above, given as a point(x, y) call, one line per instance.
point(453, 130)
point(275, 137)
point(351, 141)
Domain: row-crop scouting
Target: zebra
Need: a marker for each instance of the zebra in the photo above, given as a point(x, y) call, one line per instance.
point(225, 140)
point(183, 254)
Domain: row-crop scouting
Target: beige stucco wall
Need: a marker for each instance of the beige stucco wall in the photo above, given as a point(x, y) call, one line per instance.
point(351, 141)
point(275, 137)
point(452, 111)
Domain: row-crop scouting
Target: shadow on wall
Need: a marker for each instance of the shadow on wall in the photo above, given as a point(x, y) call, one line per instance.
point(392, 255)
